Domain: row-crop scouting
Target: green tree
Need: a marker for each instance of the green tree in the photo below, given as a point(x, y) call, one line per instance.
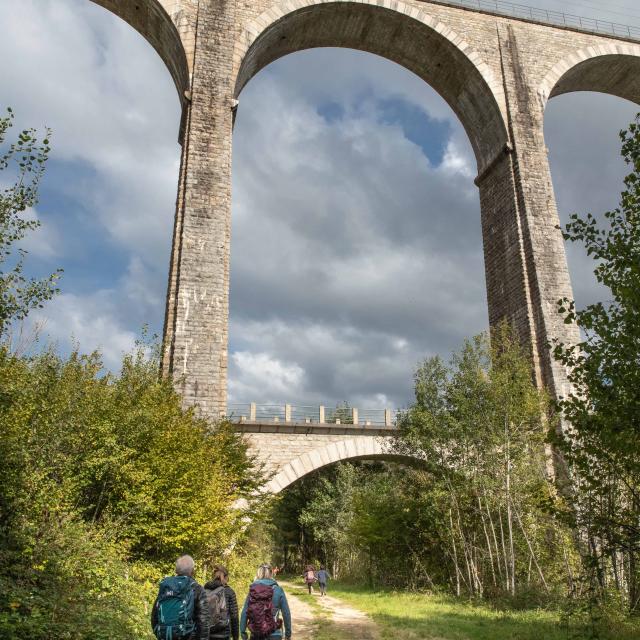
point(374, 522)
point(478, 424)
point(104, 480)
point(309, 519)
point(328, 513)
point(602, 445)
point(26, 158)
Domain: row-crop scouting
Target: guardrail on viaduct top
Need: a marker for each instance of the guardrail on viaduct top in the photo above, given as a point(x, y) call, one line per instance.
point(556, 18)
point(254, 413)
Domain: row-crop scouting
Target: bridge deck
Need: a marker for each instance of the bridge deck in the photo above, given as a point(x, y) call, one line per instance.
point(306, 428)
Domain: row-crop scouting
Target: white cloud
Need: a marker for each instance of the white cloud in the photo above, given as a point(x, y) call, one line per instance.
point(260, 377)
point(44, 242)
point(364, 256)
point(91, 322)
point(108, 319)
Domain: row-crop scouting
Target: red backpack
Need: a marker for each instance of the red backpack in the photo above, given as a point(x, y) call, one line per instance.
point(261, 615)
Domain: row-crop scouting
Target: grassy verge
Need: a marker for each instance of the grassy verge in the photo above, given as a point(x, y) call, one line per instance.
point(415, 616)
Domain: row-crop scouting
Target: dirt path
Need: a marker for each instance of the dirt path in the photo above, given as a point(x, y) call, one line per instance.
point(346, 621)
point(353, 623)
point(302, 617)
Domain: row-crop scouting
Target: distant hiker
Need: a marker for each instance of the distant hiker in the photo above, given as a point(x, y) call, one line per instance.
point(262, 608)
point(223, 606)
point(309, 576)
point(181, 610)
point(323, 578)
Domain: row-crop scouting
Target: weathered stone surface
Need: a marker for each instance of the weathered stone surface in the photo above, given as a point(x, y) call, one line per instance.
point(288, 452)
point(497, 73)
point(287, 459)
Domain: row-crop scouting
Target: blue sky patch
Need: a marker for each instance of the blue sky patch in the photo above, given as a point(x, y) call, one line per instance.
point(88, 255)
point(430, 134)
point(331, 111)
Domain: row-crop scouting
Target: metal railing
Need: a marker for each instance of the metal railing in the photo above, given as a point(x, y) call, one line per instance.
point(557, 18)
point(255, 413)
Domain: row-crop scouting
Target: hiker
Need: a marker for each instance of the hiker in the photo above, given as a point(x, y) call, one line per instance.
point(309, 576)
point(223, 606)
point(323, 578)
point(181, 610)
point(262, 608)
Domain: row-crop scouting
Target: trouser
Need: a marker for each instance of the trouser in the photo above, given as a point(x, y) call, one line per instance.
point(310, 586)
point(323, 588)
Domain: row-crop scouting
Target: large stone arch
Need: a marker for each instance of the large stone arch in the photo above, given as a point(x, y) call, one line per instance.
point(605, 68)
point(397, 31)
point(355, 448)
point(151, 20)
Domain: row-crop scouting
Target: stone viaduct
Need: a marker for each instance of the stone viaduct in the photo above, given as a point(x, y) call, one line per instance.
point(292, 450)
point(496, 71)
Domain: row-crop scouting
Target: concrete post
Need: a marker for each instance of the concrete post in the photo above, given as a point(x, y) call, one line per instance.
point(387, 418)
point(321, 415)
point(287, 413)
point(354, 415)
point(252, 412)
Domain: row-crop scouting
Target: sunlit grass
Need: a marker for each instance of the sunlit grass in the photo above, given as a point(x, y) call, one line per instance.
point(416, 616)
point(424, 616)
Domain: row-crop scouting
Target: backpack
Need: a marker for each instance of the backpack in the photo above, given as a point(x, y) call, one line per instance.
point(175, 606)
point(218, 609)
point(310, 576)
point(260, 611)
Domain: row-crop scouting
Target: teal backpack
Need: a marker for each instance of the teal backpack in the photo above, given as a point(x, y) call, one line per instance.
point(175, 609)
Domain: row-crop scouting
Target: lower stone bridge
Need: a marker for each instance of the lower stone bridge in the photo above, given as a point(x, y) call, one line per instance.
point(292, 441)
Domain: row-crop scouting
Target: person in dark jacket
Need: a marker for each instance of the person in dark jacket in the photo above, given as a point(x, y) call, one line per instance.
point(185, 566)
point(230, 630)
point(279, 600)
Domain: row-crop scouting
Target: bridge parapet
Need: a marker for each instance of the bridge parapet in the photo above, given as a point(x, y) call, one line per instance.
point(252, 413)
point(547, 16)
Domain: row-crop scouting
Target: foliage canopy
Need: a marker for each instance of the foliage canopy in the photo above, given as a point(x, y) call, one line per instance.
point(602, 445)
point(105, 480)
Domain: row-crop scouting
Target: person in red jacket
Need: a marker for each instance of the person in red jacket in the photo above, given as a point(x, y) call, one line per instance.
point(309, 576)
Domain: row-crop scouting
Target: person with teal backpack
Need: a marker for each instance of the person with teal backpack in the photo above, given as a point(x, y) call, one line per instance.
point(181, 610)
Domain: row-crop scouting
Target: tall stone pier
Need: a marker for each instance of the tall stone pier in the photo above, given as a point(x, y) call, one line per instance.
point(496, 72)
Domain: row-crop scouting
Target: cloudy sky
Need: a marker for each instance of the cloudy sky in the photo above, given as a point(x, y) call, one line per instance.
point(356, 245)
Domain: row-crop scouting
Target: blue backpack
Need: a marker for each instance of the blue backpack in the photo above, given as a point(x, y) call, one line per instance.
point(175, 609)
